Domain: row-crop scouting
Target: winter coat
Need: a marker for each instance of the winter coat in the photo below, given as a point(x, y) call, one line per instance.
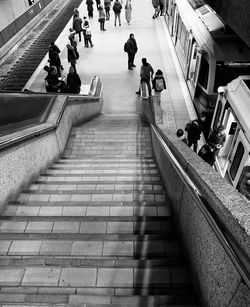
point(74, 83)
point(146, 71)
point(90, 5)
point(131, 46)
point(193, 131)
point(71, 54)
point(107, 4)
point(117, 7)
point(102, 14)
point(77, 24)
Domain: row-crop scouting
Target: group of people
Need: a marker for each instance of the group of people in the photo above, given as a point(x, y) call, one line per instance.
point(105, 8)
point(216, 140)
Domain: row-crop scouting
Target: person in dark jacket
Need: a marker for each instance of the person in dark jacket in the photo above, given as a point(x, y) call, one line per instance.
point(90, 9)
point(158, 84)
point(194, 130)
point(72, 56)
point(207, 154)
point(107, 5)
point(117, 7)
point(146, 74)
point(98, 2)
point(52, 82)
point(73, 81)
point(131, 49)
point(54, 57)
point(217, 139)
point(77, 25)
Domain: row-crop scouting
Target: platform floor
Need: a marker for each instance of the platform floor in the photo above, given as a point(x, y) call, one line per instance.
point(108, 61)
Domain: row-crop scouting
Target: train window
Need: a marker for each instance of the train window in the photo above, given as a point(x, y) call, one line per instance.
point(236, 161)
point(217, 115)
point(232, 128)
point(227, 71)
point(203, 76)
point(244, 182)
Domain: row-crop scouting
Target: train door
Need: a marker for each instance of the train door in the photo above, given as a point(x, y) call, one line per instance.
point(231, 130)
point(238, 158)
point(194, 67)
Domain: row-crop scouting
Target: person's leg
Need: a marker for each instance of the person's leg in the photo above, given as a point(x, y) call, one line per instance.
point(90, 41)
point(119, 18)
point(195, 146)
point(115, 18)
point(132, 59)
point(129, 61)
point(79, 36)
point(149, 87)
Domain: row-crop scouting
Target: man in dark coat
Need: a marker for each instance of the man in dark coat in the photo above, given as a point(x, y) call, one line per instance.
point(77, 25)
point(207, 154)
point(54, 57)
point(131, 49)
point(194, 130)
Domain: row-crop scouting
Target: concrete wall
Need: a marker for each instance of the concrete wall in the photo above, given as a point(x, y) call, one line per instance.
point(23, 162)
point(215, 276)
point(236, 14)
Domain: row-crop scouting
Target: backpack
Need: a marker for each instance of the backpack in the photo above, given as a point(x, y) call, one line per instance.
point(125, 47)
point(159, 84)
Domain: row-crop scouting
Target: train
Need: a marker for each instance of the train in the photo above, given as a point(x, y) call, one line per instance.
point(232, 110)
point(209, 52)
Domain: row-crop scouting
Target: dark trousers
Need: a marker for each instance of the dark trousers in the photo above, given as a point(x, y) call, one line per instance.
point(89, 41)
point(131, 57)
point(79, 33)
point(194, 143)
point(147, 81)
point(102, 23)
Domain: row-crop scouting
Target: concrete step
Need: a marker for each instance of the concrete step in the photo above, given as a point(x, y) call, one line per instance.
point(68, 210)
point(173, 299)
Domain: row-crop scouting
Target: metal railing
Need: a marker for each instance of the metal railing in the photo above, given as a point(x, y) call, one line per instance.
point(230, 245)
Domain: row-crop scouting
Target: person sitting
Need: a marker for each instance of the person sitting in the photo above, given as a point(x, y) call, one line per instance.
point(73, 81)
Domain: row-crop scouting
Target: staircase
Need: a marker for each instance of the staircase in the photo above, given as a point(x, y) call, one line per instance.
point(95, 228)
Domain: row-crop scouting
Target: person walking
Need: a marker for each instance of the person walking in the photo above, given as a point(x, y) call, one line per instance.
point(73, 81)
point(156, 4)
point(107, 5)
point(158, 84)
point(131, 49)
point(77, 25)
point(117, 7)
point(54, 58)
point(72, 57)
point(128, 11)
point(146, 74)
point(90, 9)
point(194, 129)
point(102, 17)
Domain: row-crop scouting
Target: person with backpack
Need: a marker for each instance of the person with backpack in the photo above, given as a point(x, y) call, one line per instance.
point(158, 84)
point(102, 17)
point(85, 26)
point(88, 36)
point(117, 7)
point(131, 48)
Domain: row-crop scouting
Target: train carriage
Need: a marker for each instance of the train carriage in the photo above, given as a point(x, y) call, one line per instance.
point(233, 111)
point(209, 52)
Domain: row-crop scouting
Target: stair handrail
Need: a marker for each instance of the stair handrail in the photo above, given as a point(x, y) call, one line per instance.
point(229, 243)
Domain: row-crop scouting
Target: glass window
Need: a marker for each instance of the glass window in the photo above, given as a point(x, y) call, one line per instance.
point(204, 71)
point(217, 115)
point(227, 71)
point(236, 161)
